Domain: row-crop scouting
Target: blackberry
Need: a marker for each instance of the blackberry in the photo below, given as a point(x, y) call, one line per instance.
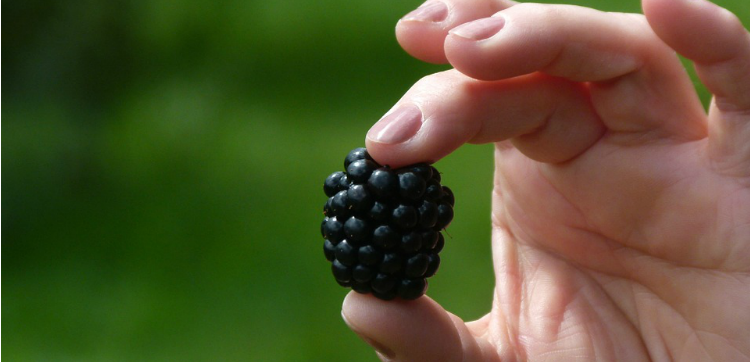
point(382, 227)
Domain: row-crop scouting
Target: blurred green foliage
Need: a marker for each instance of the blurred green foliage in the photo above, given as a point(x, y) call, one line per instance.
point(163, 167)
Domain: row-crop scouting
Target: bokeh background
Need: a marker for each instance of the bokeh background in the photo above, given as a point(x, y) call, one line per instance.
point(163, 165)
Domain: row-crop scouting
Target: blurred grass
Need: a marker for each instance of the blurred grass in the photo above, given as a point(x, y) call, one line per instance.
point(163, 167)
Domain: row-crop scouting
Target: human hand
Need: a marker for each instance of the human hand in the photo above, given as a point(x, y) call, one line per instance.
point(620, 211)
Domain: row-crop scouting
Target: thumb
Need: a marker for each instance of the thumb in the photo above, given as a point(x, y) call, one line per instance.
point(416, 330)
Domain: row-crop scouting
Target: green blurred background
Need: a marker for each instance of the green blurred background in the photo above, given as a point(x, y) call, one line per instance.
point(163, 165)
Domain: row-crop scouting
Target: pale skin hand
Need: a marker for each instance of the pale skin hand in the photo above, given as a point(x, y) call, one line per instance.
point(621, 210)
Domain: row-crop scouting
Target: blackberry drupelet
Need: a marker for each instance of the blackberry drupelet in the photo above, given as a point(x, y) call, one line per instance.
point(382, 227)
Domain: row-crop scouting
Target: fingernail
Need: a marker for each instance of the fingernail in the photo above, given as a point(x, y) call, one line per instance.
point(397, 126)
point(379, 348)
point(431, 11)
point(479, 29)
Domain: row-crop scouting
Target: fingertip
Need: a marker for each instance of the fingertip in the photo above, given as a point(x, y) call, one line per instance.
point(464, 49)
point(435, 140)
point(424, 42)
point(354, 312)
point(422, 32)
point(499, 46)
point(396, 156)
point(416, 130)
point(399, 128)
point(415, 330)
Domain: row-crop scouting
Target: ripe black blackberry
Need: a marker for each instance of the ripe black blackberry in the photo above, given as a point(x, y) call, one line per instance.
point(382, 227)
